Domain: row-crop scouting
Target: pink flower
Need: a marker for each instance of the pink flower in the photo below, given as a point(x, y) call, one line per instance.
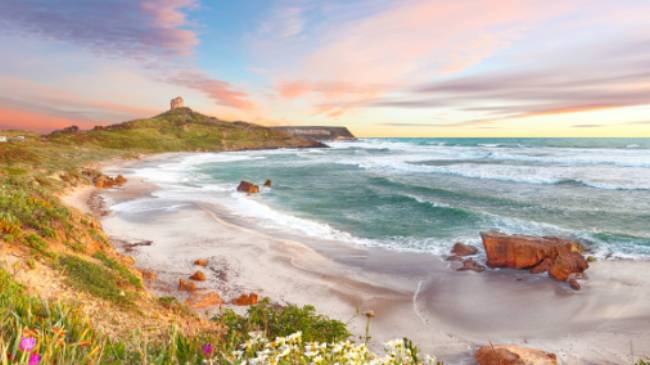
point(208, 349)
point(27, 344)
point(34, 359)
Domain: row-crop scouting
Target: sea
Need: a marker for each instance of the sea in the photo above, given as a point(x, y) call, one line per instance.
point(424, 194)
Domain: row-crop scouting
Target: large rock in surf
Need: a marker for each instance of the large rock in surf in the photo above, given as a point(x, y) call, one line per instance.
point(198, 276)
point(472, 265)
point(524, 252)
point(248, 187)
point(513, 355)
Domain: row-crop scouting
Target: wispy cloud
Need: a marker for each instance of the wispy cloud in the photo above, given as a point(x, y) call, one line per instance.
point(129, 28)
point(220, 91)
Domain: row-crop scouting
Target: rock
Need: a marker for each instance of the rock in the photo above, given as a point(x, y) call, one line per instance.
point(513, 355)
point(102, 182)
point(461, 249)
point(204, 301)
point(591, 259)
point(574, 284)
point(543, 266)
point(566, 264)
point(186, 285)
point(120, 180)
point(198, 276)
point(470, 264)
point(246, 299)
point(149, 275)
point(454, 258)
point(523, 252)
point(247, 187)
point(201, 262)
point(106, 182)
point(268, 183)
point(176, 102)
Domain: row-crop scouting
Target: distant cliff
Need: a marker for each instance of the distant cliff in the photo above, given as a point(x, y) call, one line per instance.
point(319, 133)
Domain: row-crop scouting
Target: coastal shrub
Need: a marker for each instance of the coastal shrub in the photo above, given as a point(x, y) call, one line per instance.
point(294, 350)
point(276, 320)
point(94, 279)
point(120, 268)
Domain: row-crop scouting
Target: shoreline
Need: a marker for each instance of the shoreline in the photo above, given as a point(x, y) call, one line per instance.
point(413, 295)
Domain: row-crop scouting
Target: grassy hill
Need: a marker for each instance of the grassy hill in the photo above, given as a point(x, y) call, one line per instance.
point(182, 129)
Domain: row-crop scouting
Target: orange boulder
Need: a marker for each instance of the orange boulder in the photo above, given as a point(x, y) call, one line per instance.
point(248, 187)
point(461, 249)
point(513, 355)
point(566, 264)
point(199, 276)
point(201, 262)
point(523, 252)
point(246, 299)
point(204, 301)
point(186, 285)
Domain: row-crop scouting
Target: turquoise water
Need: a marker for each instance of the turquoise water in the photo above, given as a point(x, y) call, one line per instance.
point(426, 194)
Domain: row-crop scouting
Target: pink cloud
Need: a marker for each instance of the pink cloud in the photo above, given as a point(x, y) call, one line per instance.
point(219, 91)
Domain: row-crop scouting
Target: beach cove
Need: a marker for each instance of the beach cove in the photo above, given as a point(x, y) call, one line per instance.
point(413, 294)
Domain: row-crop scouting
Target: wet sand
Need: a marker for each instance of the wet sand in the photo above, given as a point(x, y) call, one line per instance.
point(420, 296)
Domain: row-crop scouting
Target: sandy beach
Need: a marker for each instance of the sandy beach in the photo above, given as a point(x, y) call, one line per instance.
point(420, 296)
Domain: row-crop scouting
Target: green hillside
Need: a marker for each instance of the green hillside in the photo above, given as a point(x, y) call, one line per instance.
point(182, 129)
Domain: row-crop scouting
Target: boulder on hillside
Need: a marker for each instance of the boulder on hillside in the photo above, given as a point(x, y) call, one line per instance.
point(513, 355)
point(246, 299)
point(524, 252)
point(204, 300)
point(461, 249)
point(248, 187)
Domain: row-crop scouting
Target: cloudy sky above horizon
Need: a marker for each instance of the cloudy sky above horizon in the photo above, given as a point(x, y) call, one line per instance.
point(382, 68)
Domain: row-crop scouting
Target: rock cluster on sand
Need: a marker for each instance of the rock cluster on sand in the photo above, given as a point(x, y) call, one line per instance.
point(176, 102)
point(461, 250)
point(561, 258)
point(513, 355)
point(248, 187)
point(106, 182)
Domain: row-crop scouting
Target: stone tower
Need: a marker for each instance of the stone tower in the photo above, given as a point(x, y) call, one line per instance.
point(176, 102)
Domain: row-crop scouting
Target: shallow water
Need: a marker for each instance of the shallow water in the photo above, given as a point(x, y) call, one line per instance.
point(425, 194)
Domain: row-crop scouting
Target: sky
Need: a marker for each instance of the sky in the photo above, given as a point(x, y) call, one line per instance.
point(425, 68)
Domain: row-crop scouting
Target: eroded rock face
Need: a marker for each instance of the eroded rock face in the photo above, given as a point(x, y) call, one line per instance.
point(513, 355)
point(204, 300)
point(248, 187)
point(461, 249)
point(567, 264)
point(246, 299)
point(176, 102)
point(524, 252)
